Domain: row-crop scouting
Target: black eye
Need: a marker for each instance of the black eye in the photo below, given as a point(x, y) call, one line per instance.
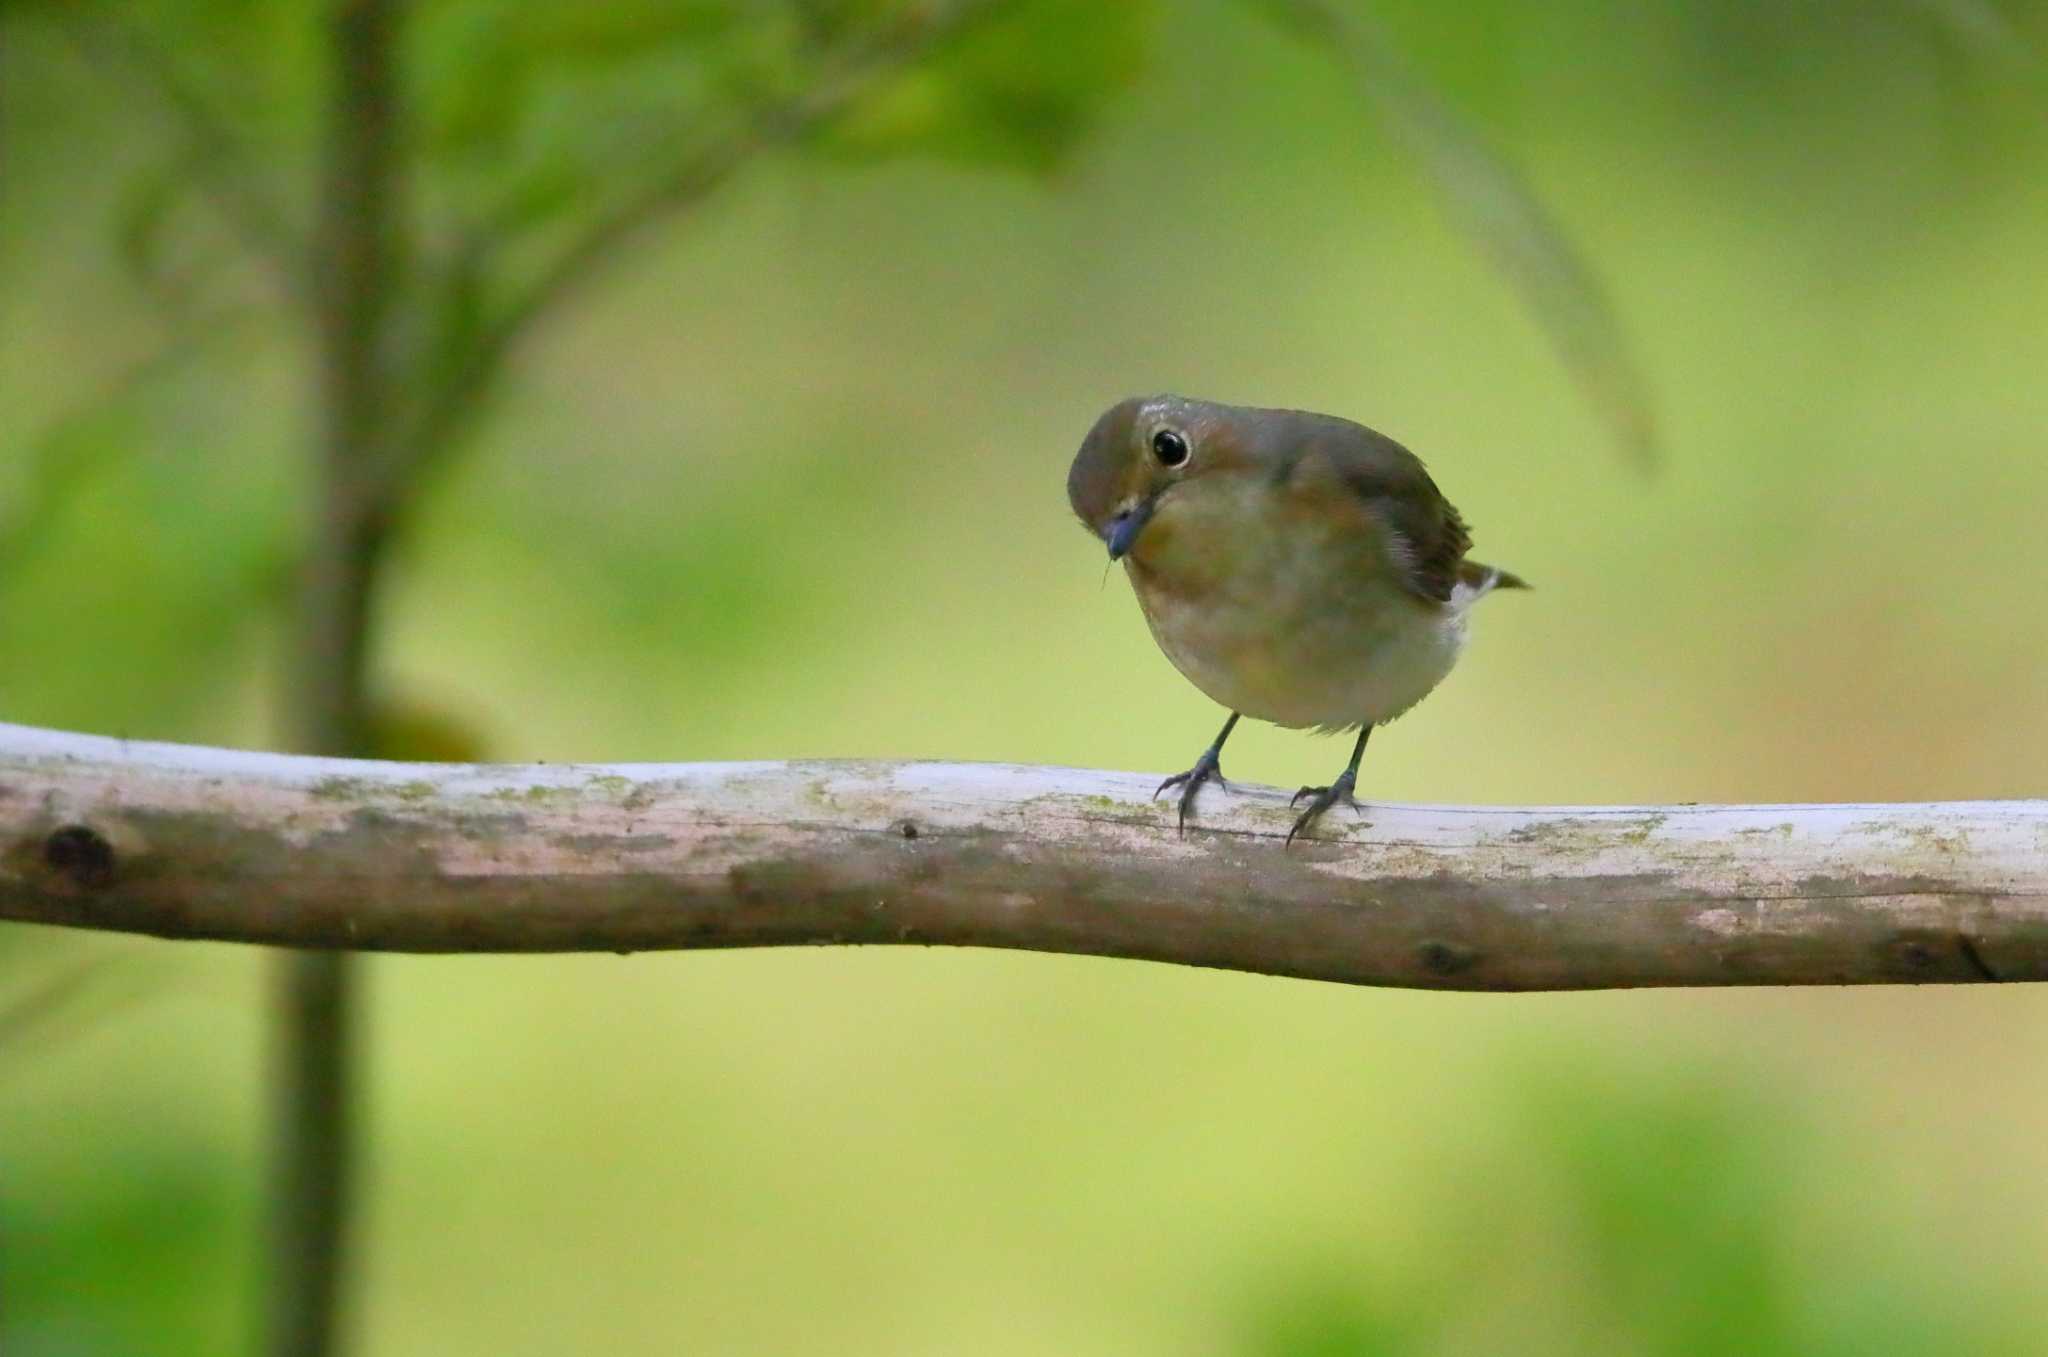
point(1170, 448)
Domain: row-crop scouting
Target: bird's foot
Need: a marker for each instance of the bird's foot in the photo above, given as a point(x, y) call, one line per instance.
point(1337, 793)
point(1208, 768)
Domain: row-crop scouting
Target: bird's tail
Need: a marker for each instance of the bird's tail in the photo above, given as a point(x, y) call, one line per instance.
point(1476, 580)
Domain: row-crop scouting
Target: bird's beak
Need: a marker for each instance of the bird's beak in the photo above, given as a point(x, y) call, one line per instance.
point(1125, 527)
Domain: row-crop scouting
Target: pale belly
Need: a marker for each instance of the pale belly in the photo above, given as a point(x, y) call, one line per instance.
point(1274, 632)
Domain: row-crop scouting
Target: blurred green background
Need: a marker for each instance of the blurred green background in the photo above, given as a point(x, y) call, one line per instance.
point(789, 482)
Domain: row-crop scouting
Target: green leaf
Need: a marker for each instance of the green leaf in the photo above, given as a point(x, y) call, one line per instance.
point(1487, 199)
point(1017, 92)
point(483, 63)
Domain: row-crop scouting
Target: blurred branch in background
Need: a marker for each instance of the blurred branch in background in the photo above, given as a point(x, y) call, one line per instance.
point(57, 997)
point(214, 158)
point(479, 344)
point(198, 843)
point(1488, 199)
point(1981, 29)
point(354, 271)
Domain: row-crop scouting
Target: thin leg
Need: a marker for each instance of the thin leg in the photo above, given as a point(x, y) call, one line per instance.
point(1208, 768)
point(1340, 790)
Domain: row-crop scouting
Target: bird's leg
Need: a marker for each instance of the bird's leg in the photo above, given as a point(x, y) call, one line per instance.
point(1208, 768)
point(1340, 790)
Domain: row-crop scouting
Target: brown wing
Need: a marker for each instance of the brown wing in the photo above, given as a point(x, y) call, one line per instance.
point(1426, 539)
point(1430, 540)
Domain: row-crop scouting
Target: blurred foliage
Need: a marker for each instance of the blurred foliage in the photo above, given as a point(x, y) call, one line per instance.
point(1490, 202)
point(538, 137)
point(1018, 92)
point(1327, 1312)
point(1668, 1225)
point(542, 138)
point(413, 732)
point(790, 486)
point(138, 1261)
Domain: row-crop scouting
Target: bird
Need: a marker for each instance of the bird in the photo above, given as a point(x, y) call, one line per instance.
point(1297, 568)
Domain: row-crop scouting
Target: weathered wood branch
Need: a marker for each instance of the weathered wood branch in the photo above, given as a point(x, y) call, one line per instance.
point(205, 843)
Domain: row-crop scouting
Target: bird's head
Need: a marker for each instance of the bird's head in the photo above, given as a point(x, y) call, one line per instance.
point(1137, 454)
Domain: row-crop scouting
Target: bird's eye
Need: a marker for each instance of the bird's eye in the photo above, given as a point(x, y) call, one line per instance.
point(1170, 448)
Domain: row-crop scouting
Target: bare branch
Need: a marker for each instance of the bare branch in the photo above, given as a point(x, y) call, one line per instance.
point(201, 843)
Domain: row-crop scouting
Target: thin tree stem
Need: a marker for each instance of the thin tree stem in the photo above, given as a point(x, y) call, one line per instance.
point(353, 280)
point(315, 1089)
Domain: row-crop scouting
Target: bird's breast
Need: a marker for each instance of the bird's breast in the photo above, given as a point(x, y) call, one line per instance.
point(1285, 613)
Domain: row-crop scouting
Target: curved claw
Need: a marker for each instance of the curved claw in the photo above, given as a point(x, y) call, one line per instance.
point(1325, 797)
point(1207, 769)
point(1214, 775)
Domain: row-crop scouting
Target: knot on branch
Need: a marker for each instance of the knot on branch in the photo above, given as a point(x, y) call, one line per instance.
point(80, 854)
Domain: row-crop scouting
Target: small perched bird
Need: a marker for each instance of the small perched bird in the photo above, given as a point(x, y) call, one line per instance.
point(1297, 568)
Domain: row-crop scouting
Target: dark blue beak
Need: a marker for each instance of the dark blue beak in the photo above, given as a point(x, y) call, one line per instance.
point(1125, 527)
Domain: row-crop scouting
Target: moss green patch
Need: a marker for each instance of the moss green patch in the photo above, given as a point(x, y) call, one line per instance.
point(341, 788)
point(533, 796)
point(1639, 831)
